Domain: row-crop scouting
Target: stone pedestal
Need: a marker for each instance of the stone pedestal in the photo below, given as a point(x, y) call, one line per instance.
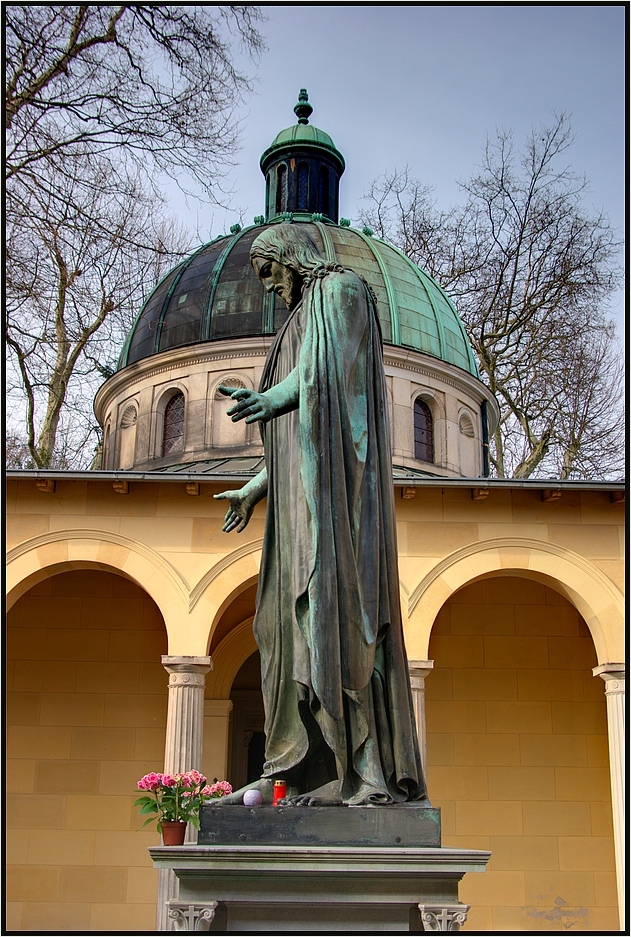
point(317, 870)
point(317, 889)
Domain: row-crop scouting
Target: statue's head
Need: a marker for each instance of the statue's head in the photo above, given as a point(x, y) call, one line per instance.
point(283, 256)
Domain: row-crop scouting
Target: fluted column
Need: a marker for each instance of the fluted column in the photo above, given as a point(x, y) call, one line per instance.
point(183, 746)
point(419, 669)
point(613, 675)
point(216, 736)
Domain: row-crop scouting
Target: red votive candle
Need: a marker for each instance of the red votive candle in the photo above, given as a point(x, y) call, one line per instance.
point(280, 791)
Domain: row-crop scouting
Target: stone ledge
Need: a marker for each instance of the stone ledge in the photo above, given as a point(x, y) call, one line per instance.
point(272, 859)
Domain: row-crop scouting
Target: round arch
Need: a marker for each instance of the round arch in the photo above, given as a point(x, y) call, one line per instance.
point(594, 595)
point(52, 553)
point(432, 398)
point(217, 588)
point(232, 652)
point(163, 396)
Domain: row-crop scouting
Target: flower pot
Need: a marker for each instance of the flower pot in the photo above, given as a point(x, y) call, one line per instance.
point(173, 832)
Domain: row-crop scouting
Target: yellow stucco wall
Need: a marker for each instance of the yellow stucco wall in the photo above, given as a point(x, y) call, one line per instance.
point(86, 708)
point(518, 757)
point(172, 545)
point(574, 544)
point(84, 666)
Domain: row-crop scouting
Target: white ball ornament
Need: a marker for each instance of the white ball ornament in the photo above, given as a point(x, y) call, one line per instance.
point(252, 798)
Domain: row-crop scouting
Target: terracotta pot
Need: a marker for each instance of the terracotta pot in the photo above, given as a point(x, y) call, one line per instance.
point(173, 832)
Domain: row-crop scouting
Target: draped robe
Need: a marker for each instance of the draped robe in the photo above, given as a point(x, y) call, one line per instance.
point(328, 619)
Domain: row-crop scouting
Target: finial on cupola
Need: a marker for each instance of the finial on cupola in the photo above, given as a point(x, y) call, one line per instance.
point(303, 109)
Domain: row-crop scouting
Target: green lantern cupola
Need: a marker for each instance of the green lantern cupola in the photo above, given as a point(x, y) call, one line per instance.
point(302, 170)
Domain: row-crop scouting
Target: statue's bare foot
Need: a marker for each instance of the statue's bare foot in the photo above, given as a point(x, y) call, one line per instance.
point(264, 785)
point(325, 796)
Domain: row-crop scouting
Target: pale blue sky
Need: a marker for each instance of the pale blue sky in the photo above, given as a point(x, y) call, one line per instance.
point(424, 85)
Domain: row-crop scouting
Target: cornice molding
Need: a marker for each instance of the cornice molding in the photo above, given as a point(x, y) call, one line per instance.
point(177, 358)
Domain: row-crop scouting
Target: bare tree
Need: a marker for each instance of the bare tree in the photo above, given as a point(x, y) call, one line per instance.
point(82, 259)
point(530, 271)
point(590, 428)
point(156, 84)
point(101, 100)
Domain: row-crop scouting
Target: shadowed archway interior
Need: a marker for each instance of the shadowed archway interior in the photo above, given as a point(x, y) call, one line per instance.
point(518, 756)
point(86, 713)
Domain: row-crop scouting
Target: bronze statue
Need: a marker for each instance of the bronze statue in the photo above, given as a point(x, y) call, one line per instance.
point(338, 708)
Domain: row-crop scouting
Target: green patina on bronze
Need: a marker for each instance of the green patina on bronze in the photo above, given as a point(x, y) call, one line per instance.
point(328, 622)
point(403, 292)
point(413, 310)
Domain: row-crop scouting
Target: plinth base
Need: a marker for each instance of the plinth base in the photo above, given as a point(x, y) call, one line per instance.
point(410, 824)
point(317, 889)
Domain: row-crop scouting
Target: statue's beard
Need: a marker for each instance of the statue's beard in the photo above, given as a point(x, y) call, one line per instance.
point(290, 287)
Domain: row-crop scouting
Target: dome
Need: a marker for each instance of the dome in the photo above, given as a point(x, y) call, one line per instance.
point(302, 133)
point(214, 294)
point(209, 323)
point(304, 136)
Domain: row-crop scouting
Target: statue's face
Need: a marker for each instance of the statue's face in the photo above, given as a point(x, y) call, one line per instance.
point(277, 278)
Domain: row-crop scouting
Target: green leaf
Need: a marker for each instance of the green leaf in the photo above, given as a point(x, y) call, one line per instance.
point(142, 801)
point(149, 808)
point(146, 823)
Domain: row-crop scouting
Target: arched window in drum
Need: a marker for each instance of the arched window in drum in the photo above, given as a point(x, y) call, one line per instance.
point(281, 189)
point(173, 433)
point(423, 431)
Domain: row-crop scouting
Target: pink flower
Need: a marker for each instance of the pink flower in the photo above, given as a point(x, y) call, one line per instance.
point(150, 782)
point(218, 789)
point(168, 780)
point(194, 778)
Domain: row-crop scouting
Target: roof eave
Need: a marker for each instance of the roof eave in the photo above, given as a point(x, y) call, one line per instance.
point(437, 482)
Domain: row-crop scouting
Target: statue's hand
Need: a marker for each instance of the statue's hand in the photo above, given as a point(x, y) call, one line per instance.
point(240, 510)
point(250, 406)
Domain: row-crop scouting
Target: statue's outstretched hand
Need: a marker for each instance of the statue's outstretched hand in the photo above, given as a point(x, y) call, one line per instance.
point(240, 510)
point(250, 405)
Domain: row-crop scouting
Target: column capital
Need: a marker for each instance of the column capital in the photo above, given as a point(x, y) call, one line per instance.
point(419, 669)
point(613, 674)
point(187, 671)
point(182, 664)
point(443, 917)
point(189, 916)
